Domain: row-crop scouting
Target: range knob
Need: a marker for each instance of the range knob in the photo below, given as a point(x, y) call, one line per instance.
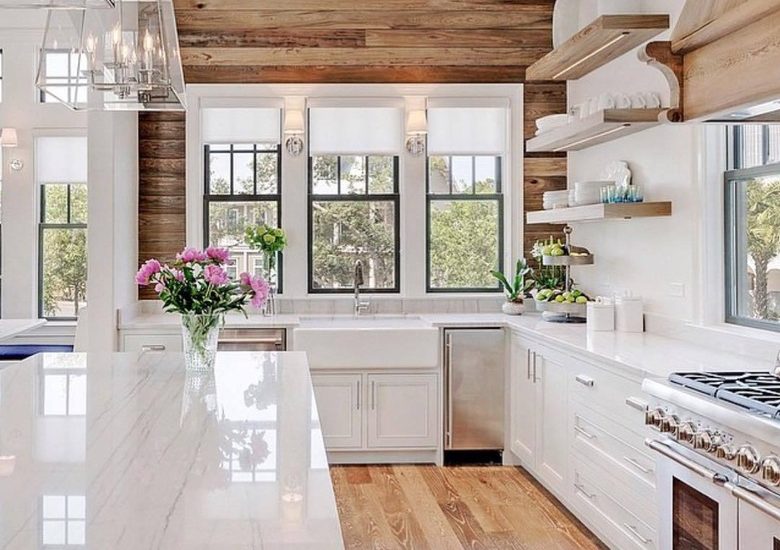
point(685, 432)
point(654, 417)
point(725, 452)
point(748, 459)
point(669, 424)
point(770, 470)
point(706, 441)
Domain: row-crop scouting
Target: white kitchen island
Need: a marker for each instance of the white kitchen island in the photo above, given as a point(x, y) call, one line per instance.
point(126, 451)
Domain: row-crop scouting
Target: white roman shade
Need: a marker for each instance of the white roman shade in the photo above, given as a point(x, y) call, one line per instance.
point(241, 125)
point(61, 159)
point(356, 130)
point(467, 130)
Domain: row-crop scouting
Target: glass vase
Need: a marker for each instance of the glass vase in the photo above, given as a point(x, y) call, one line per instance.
point(269, 309)
point(200, 333)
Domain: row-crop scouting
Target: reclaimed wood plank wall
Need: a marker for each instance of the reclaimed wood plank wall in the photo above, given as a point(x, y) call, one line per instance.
point(371, 41)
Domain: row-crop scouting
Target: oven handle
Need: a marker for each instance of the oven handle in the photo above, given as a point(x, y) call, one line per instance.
point(664, 449)
point(751, 498)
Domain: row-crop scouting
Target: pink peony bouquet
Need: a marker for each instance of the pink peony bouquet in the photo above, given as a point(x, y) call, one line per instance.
point(196, 283)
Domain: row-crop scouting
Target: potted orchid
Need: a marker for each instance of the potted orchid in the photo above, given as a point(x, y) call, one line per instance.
point(196, 286)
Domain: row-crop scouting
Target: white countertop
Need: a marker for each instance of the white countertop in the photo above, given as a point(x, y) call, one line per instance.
point(125, 451)
point(644, 354)
point(13, 327)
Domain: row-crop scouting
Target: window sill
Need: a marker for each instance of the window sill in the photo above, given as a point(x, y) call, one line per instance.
point(730, 329)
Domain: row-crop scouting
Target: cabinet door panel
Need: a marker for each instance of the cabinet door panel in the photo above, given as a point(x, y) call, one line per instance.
point(339, 405)
point(552, 445)
point(522, 396)
point(403, 411)
point(151, 342)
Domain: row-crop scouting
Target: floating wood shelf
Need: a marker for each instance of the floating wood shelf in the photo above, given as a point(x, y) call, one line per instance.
point(607, 38)
point(592, 212)
point(597, 128)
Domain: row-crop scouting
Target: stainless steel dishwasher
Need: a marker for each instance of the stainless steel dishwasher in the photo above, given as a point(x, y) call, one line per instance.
point(252, 339)
point(474, 389)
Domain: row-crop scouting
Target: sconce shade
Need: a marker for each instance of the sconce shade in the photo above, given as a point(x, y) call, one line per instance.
point(416, 122)
point(8, 137)
point(293, 122)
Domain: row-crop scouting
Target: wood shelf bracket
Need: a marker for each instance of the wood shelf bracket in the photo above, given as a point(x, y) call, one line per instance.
point(659, 55)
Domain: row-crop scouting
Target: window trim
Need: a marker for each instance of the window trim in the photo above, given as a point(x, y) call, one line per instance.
point(394, 197)
point(42, 227)
point(242, 197)
point(730, 180)
point(498, 196)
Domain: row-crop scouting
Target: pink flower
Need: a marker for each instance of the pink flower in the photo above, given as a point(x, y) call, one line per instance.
point(245, 279)
point(178, 274)
point(260, 290)
point(215, 275)
point(219, 255)
point(191, 254)
point(159, 287)
point(150, 267)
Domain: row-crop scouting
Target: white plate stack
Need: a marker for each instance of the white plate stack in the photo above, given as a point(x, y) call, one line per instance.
point(587, 192)
point(555, 199)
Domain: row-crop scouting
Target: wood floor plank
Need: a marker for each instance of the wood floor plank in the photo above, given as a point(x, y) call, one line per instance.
point(438, 532)
point(428, 507)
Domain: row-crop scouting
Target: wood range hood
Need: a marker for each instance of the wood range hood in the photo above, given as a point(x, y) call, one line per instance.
point(724, 59)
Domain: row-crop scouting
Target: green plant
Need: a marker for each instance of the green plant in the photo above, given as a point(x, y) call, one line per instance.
point(547, 276)
point(521, 282)
point(270, 240)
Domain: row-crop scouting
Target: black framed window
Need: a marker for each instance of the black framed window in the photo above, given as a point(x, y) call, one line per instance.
point(243, 187)
point(354, 214)
point(465, 221)
point(64, 81)
point(62, 249)
point(752, 227)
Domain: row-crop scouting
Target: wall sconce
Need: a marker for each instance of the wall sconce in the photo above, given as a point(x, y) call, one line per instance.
point(9, 139)
point(293, 129)
point(416, 129)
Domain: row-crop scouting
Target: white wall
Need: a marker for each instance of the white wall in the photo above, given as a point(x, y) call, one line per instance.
point(654, 257)
point(21, 33)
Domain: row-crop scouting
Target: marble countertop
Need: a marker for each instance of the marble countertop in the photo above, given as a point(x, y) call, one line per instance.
point(13, 327)
point(642, 355)
point(126, 451)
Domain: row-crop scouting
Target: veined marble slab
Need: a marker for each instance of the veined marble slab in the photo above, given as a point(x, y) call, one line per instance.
point(115, 451)
point(13, 327)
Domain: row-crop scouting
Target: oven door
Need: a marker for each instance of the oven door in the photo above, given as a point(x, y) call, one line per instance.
point(759, 517)
point(696, 511)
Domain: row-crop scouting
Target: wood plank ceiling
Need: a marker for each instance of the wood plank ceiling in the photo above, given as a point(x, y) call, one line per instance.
point(346, 41)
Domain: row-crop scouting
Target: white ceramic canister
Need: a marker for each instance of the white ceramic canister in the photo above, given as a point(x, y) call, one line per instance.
point(601, 315)
point(629, 314)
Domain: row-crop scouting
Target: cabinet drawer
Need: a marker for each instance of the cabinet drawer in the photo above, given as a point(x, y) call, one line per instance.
point(606, 443)
point(607, 393)
point(597, 499)
point(151, 342)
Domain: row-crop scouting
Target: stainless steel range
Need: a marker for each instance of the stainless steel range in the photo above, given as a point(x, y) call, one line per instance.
point(717, 436)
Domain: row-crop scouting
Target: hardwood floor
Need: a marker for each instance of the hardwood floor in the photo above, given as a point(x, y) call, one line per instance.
point(428, 507)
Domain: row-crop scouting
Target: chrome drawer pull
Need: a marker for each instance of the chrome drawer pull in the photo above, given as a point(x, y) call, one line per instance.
point(637, 465)
point(358, 394)
point(528, 364)
point(584, 433)
point(637, 404)
point(153, 347)
point(582, 490)
point(585, 380)
point(634, 532)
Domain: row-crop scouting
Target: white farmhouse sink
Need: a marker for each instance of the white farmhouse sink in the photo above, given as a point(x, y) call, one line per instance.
point(367, 342)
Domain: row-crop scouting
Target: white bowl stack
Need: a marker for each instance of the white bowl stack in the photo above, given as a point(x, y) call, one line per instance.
point(587, 192)
point(555, 199)
point(550, 122)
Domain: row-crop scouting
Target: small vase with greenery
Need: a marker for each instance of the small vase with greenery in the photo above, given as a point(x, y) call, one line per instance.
point(515, 290)
point(197, 286)
point(270, 241)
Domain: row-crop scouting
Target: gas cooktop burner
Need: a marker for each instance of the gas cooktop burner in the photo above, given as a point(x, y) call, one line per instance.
point(757, 391)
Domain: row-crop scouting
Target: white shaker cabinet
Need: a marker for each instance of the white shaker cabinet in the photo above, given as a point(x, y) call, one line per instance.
point(402, 410)
point(339, 403)
point(522, 425)
point(539, 412)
